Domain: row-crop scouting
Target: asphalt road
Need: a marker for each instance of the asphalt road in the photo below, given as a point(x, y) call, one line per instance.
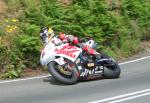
point(133, 86)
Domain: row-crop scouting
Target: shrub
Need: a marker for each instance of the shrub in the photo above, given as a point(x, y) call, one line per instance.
point(31, 29)
point(138, 11)
point(29, 46)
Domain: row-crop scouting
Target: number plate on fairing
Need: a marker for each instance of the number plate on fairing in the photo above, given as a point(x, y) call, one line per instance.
point(90, 64)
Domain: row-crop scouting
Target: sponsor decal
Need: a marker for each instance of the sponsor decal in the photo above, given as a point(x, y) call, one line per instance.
point(67, 50)
point(88, 72)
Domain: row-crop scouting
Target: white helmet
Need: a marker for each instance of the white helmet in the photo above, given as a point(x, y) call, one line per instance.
point(46, 34)
point(91, 43)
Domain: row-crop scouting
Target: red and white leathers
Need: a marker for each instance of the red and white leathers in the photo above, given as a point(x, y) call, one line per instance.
point(47, 34)
point(74, 40)
point(90, 50)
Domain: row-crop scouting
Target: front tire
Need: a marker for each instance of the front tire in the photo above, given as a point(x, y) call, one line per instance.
point(53, 70)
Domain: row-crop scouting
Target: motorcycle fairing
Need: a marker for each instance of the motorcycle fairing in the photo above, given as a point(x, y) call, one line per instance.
point(47, 54)
point(51, 51)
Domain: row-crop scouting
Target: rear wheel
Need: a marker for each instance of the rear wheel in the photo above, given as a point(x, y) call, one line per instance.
point(112, 71)
point(66, 73)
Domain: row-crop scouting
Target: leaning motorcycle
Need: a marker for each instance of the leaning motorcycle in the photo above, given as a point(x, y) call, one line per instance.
point(68, 64)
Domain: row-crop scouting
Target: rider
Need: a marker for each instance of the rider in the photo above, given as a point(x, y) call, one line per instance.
point(48, 35)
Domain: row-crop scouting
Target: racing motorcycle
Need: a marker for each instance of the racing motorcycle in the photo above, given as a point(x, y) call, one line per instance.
point(69, 63)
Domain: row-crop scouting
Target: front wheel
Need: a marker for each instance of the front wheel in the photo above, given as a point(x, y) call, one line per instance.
point(112, 71)
point(64, 74)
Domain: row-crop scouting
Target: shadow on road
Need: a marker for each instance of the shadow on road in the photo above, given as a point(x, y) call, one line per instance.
point(53, 81)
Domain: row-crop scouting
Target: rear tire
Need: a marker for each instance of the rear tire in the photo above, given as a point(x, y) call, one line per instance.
point(53, 70)
point(112, 71)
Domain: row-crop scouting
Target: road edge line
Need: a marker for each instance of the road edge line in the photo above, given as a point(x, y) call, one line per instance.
point(23, 79)
point(131, 61)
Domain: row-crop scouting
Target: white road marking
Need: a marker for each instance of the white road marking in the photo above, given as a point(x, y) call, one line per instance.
point(129, 98)
point(121, 96)
point(131, 61)
point(38, 77)
point(23, 79)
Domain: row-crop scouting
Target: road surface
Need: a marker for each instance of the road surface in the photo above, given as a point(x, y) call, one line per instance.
point(133, 86)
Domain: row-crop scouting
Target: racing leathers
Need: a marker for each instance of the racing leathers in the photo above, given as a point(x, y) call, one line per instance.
point(85, 47)
point(48, 35)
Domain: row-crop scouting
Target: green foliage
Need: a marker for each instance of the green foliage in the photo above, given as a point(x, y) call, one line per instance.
point(29, 46)
point(2, 55)
point(31, 30)
point(10, 63)
point(138, 10)
point(12, 73)
point(110, 52)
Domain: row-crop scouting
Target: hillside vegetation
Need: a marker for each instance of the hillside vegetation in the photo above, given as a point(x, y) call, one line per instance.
point(117, 25)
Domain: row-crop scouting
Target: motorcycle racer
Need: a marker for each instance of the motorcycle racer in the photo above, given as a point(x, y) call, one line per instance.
point(89, 46)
